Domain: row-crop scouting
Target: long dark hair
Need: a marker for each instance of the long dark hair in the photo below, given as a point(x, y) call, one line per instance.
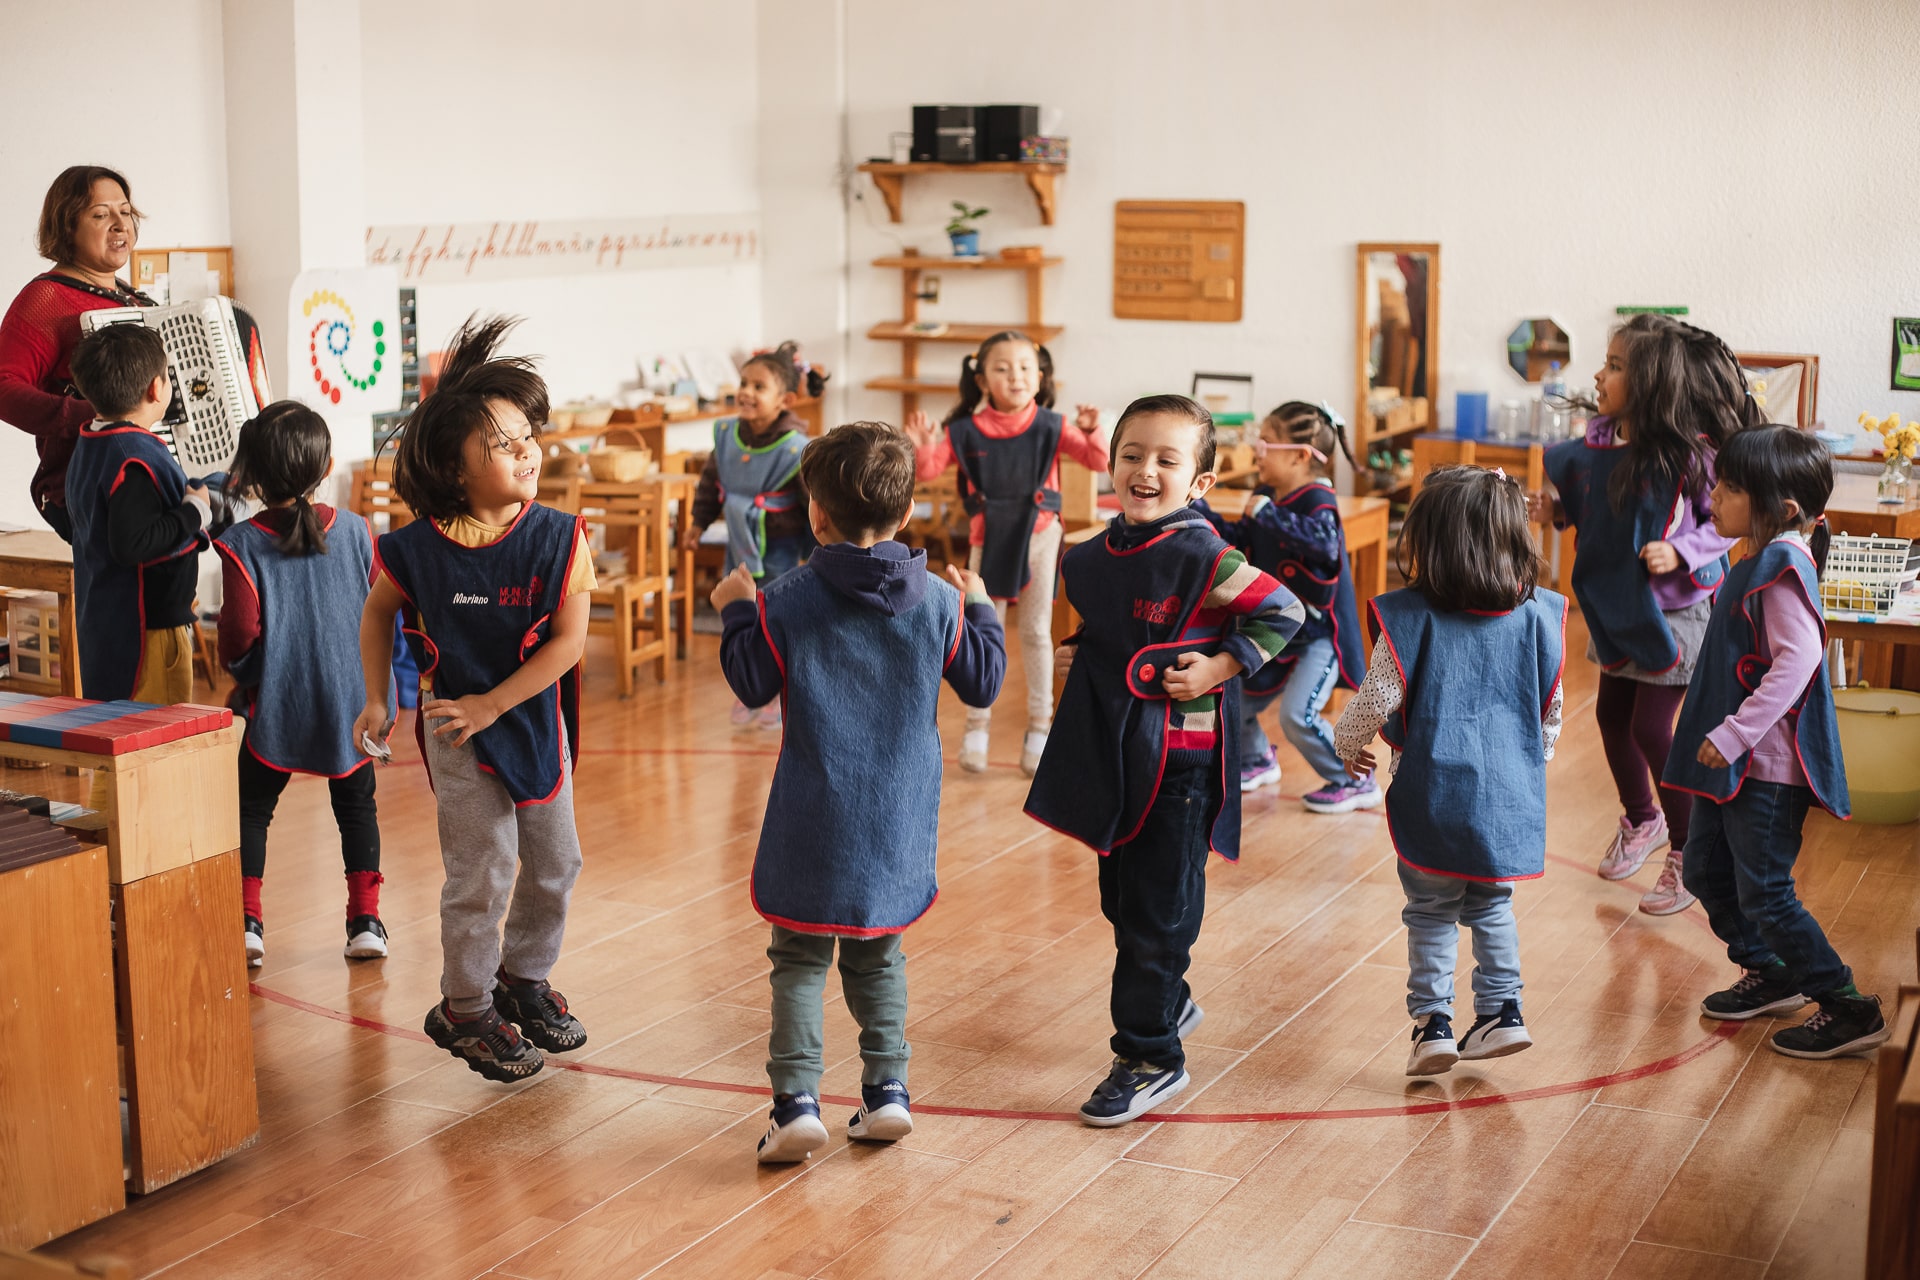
point(1772, 464)
point(971, 392)
point(1466, 543)
point(1686, 396)
point(785, 368)
point(1297, 422)
point(428, 465)
point(283, 456)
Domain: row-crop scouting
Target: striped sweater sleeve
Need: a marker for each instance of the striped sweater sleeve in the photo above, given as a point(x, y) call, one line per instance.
point(1264, 614)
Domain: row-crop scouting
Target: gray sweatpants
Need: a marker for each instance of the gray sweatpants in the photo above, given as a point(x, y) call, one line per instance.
point(484, 841)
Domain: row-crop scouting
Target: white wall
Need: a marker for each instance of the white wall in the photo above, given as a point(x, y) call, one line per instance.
point(581, 109)
point(166, 130)
point(1745, 161)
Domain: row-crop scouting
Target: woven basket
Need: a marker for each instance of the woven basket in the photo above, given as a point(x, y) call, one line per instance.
point(617, 465)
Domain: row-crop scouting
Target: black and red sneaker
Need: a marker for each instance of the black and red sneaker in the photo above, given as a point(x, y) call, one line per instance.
point(539, 1011)
point(488, 1044)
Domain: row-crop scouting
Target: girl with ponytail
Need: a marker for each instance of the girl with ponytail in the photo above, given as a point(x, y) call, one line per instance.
point(295, 579)
point(1007, 441)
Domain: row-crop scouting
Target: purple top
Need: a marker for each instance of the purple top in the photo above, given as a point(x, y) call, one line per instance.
point(1689, 530)
point(1791, 632)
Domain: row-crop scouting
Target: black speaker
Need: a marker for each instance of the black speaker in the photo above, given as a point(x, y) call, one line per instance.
point(946, 134)
point(1002, 128)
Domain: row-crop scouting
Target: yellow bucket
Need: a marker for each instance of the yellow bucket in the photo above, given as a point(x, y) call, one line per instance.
point(1880, 741)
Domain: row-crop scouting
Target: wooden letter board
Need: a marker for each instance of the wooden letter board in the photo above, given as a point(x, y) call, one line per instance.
point(1178, 259)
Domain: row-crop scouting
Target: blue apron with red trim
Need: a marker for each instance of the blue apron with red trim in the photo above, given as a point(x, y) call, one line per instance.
point(1732, 660)
point(750, 483)
point(1003, 480)
point(300, 687)
point(1333, 608)
point(1107, 751)
point(1469, 798)
point(474, 615)
point(1610, 580)
point(847, 846)
point(109, 597)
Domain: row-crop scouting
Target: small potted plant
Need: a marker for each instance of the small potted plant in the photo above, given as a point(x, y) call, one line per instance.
point(962, 231)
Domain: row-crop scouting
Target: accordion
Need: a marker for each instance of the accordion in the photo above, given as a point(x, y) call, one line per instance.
point(219, 380)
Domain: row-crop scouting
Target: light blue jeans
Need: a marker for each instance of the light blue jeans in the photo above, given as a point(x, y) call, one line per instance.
point(1309, 685)
point(1436, 907)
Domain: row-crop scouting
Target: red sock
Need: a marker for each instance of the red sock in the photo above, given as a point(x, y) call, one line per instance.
point(363, 893)
point(250, 896)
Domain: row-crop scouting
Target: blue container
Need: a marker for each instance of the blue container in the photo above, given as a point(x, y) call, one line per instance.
point(966, 244)
point(1470, 415)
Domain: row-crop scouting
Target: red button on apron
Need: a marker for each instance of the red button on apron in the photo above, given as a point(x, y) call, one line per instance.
point(1146, 671)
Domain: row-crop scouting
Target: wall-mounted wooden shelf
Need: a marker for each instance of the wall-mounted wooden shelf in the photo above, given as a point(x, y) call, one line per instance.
point(1039, 175)
point(979, 262)
point(971, 334)
point(911, 266)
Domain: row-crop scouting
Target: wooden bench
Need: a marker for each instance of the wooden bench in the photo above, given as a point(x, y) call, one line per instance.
point(1893, 1212)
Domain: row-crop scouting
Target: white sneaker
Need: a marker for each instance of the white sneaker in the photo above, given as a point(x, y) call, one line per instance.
point(256, 944)
point(973, 751)
point(796, 1132)
point(1495, 1035)
point(1030, 751)
point(1434, 1051)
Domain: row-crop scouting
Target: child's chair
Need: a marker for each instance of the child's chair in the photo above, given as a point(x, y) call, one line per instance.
point(635, 595)
point(371, 495)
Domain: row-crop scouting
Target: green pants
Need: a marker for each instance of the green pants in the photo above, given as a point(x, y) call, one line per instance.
point(873, 976)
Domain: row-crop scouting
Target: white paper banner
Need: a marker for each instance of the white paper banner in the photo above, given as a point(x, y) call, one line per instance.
point(449, 252)
point(343, 339)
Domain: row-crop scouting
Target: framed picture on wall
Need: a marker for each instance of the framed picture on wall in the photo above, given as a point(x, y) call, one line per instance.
point(1906, 353)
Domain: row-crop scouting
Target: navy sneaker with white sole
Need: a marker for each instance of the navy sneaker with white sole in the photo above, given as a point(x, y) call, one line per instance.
point(1131, 1090)
point(1495, 1035)
point(885, 1114)
point(1191, 1016)
point(1434, 1051)
point(796, 1131)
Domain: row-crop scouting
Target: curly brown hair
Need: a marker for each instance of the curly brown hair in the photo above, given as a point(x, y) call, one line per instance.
point(70, 196)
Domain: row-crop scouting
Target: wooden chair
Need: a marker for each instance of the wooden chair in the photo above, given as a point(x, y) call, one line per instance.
point(943, 531)
point(371, 495)
point(638, 598)
point(34, 1266)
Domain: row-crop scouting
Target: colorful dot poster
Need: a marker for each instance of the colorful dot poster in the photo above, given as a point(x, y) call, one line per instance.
point(343, 339)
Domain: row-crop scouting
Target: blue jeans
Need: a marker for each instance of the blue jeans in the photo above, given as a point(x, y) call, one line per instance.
point(1436, 907)
point(1739, 863)
point(1309, 684)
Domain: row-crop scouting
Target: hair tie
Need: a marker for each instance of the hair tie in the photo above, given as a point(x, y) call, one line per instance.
point(1333, 419)
point(1500, 473)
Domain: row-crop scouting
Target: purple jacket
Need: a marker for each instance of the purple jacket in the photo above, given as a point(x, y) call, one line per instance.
point(1691, 534)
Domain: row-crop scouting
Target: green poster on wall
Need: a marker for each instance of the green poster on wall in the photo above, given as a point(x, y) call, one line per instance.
point(1906, 353)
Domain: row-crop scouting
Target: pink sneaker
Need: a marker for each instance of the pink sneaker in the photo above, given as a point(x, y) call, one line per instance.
point(741, 715)
point(1668, 897)
point(1631, 847)
point(769, 716)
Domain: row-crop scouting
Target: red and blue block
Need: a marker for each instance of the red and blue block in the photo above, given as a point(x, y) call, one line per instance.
point(102, 728)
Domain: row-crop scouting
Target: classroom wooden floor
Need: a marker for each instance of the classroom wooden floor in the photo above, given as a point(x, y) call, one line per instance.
point(1635, 1140)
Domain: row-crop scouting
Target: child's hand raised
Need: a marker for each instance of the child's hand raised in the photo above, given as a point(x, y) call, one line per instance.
point(1086, 417)
point(738, 585)
point(1362, 765)
point(1194, 674)
point(464, 716)
point(967, 580)
point(919, 429)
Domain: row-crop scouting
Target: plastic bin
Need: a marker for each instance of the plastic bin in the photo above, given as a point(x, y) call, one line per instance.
point(1880, 741)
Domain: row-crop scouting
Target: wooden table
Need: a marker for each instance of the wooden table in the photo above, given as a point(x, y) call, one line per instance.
point(1522, 459)
point(1855, 508)
point(37, 560)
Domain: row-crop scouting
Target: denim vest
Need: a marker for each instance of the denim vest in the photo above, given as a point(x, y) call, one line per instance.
point(1003, 480)
point(1333, 599)
point(109, 597)
point(750, 480)
point(1731, 664)
point(1469, 799)
point(852, 824)
point(474, 615)
point(305, 691)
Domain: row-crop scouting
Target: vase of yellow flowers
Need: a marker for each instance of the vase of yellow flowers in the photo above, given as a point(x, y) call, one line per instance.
point(1900, 444)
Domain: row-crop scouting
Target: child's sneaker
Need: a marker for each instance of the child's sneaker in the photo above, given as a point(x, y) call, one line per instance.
point(741, 716)
point(1668, 896)
point(973, 751)
point(1345, 797)
point(256, 943)
point(769, 717)
point(885, 1114)
point(1191, 1015)
point(1261, 771)
point(539, 1011)
point(1131, 1090)
point(796, 1132)
point(1495, 1035)
point(488, 1044)
point(1434, 1051)
point(1030, 751)
point(1758, 991)
point(1631, 846)
point(1843, 1025)
point(366, 938)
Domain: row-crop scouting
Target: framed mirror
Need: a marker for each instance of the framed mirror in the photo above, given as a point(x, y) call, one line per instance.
point(1396, 354)
point(1535, 346)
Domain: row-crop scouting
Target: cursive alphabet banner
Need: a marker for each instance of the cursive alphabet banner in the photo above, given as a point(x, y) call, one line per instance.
point(451, 252)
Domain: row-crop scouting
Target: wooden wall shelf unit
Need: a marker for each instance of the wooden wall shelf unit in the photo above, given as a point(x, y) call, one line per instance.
point(1038, 173)
point(909, 383)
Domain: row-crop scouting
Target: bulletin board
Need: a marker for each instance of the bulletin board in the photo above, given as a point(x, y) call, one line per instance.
point(1179, 259)
point(149, 263)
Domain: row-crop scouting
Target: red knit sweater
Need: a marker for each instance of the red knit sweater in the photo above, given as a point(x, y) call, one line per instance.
point(37, 339)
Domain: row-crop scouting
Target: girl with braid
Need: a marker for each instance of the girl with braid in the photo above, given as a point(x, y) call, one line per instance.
point(1647, 560)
